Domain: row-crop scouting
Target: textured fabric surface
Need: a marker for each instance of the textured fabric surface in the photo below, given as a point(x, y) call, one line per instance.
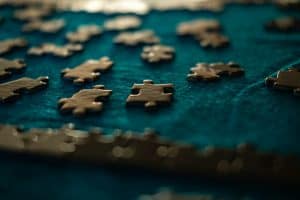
point(224, 113)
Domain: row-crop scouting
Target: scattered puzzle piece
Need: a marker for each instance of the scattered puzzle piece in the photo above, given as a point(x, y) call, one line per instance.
point(212, 72)
point(135, 38)
point(157, 53)
point(9, 44)
point(288, 4)
point(122, 23)
point(191, 5)
point(84, 33)
point(150, 95)
point(9, 91)
point(196, 27)
point(52, 26)
point(286, 80)
point(86, 100)
point(7, 67)
point(284, 24)
point(32, 13)
point(207, 31)
point(88, 71)
point(61, 51)
point(213, 40)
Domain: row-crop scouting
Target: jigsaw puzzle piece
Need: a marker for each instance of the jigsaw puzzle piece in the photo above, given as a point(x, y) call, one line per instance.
point(51, 26)
point(33, 13)
point(87, 71)
point(9, 91)
point(86, 100)
point(122, 23)
point(213, 72)
point(60, 51)
point(150, 95)
point(286, 80)
point(213, 40)
point(9, 44)
point(196, 27)
point(157, 53)
point(136, 38)
point(7, 67)
point(84, 33)
point(284, 24)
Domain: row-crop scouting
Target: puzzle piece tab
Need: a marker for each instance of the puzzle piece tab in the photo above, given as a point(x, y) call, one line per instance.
point(7, 67)
point(51, 26)
point(212, 72)
point(157, 53)
point(84, 33)
point(136, 38)
point(284, 24)
point(9, 91)
point(9, 44)
point(60, 51)
point(86, 100)
point(286, 80)
point(88, 71)
point(122, 23)
point(150, 95)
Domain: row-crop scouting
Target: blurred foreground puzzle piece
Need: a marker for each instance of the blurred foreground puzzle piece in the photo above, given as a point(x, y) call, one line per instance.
point(286, 80)
point(157, 53)
point(86, 100)
point(150, 95)
point(214, 71)
point(87, 71)
point(7, 67)
point(9, 44)
point(9, 91)
point(83, 33)
point(60, 51)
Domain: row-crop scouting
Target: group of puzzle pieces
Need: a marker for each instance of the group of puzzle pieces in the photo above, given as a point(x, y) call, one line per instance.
point(207, 31)
point(149, 151)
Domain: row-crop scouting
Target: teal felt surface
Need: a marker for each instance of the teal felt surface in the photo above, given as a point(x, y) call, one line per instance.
point(224, 113)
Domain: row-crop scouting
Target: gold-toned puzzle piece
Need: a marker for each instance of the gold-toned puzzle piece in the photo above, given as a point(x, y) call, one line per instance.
point(284, 24)
point(213, 40)
point(33, 13)
point(87, 71)
point(11, 90)
point(122, 23)
point(83, 33)
point(213, 72)
point(51, 26)
point(157, 53)
point(7, 67)
point(86, 100)
point(150, 95)
point(200, 26)
point(206, 31)
point(286, 80)
point(60, 51)
point(136, 38)
point(9, 44)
